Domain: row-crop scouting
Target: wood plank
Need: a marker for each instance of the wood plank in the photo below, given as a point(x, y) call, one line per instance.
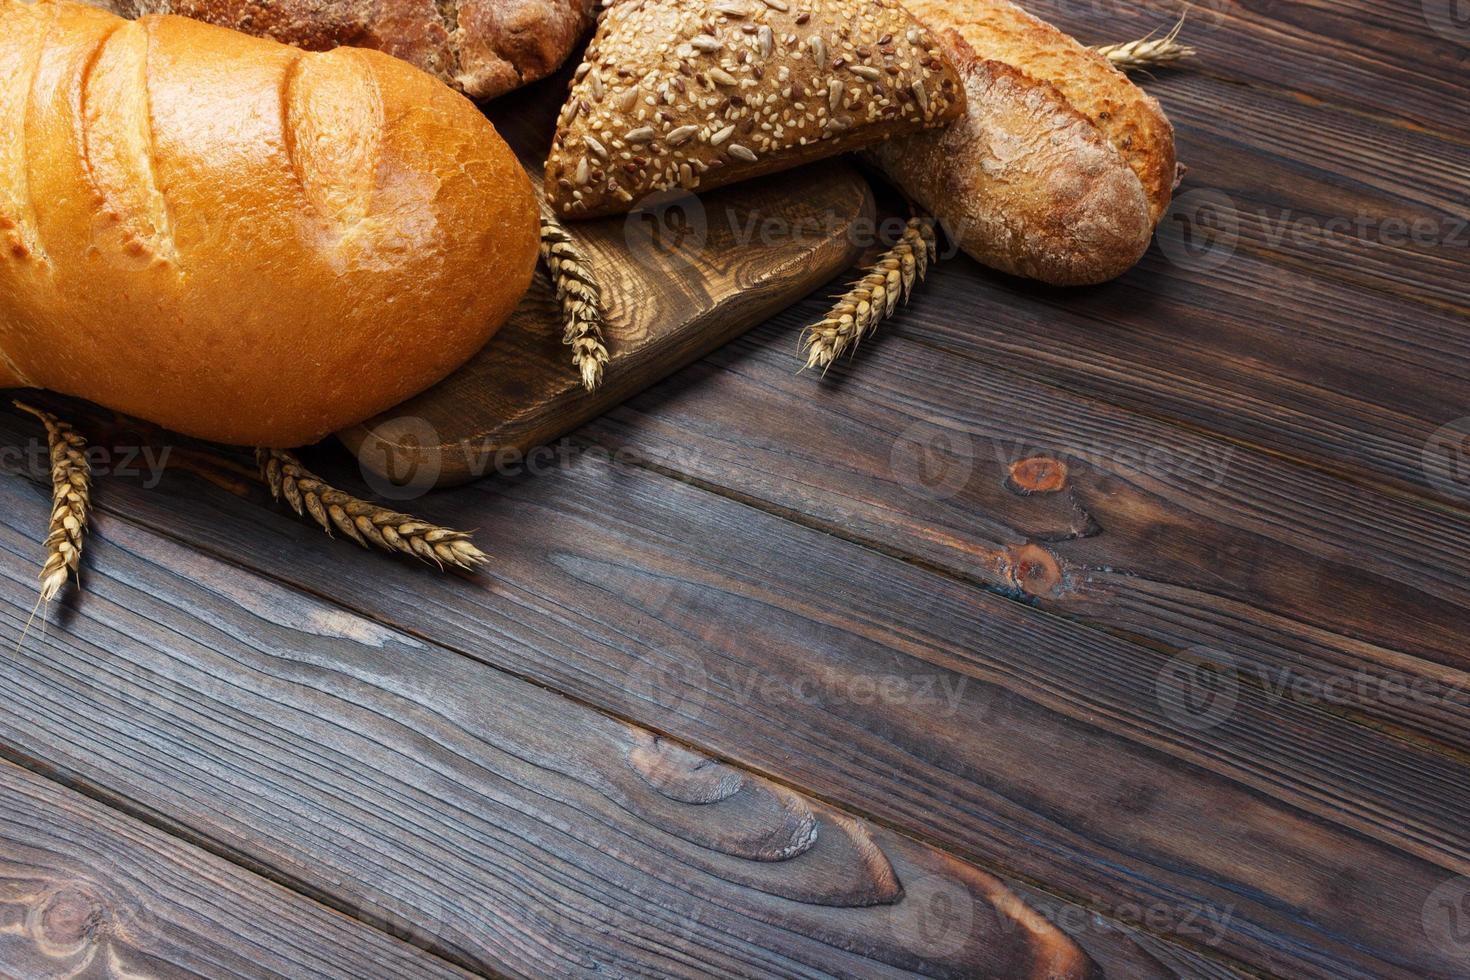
point(1159, 532)
point(754, 638)
point(1381, 58)
point(1311, 186)
point(1343, 348)
point(85, 890)
point(486, 819)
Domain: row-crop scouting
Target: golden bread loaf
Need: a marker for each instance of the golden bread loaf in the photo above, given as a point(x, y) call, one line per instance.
point(236, 239)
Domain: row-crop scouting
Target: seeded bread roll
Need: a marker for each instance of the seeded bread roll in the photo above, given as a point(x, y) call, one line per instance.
point(692, 95)
point(1060, 182)
point(238, 240)
point(484, 48)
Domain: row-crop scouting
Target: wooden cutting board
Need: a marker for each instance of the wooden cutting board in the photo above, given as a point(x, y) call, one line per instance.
point(678, 281)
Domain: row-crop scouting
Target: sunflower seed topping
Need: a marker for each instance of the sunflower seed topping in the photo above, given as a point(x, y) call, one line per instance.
point(834, 95)
point(690, 93)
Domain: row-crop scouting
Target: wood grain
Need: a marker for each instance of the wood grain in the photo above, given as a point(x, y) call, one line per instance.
point(766, 643)
point(677, 280)
point(1379, 58)
point(1156, 531)
point(483, 818)
point(85, 891)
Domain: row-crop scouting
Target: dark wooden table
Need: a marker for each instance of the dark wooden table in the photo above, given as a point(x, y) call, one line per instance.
point(1149, 599)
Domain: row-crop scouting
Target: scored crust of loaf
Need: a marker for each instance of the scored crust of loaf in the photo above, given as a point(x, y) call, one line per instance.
point(692, 94)
point(1130, 118)
point(1023, 182)
point(484, 48)
point(238, 240)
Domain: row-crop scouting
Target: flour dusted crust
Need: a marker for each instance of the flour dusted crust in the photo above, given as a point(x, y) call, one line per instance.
point(998, 30)
point(237, 239)
point(1024, 182)
point(484, 48)
point(692, 94)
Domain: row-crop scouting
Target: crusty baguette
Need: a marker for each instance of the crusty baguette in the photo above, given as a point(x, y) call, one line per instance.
point(484, 48)
point(1061, 167)
point(1131, 119)
point(1024, 182)
point(237, 240)
point(693, 94)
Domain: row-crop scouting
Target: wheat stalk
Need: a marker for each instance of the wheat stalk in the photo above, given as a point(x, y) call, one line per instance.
point(875, 296)
point(580, 298)
point(71, 497)
point(363, 522)
point(1148, 52)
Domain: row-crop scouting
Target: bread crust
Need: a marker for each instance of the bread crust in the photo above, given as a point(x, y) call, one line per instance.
point(684, 94)
point(1024, 182)
point(238, 240)
point(484, 48)
point(1131, 119)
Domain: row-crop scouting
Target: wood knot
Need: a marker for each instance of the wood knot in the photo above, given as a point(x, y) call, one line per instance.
point(1034, 570)
point(68, 920)
point(683, 775)
point(1037, 474)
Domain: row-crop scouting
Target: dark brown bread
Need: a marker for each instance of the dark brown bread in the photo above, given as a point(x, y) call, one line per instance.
point(691, 94)
point(484, 48)
point(239, 240)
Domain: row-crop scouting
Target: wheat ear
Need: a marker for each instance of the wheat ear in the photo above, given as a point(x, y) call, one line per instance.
point(875, 296)
point(1148, 52)
point(71, 497)
point(580, 298)
point(367, 524)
